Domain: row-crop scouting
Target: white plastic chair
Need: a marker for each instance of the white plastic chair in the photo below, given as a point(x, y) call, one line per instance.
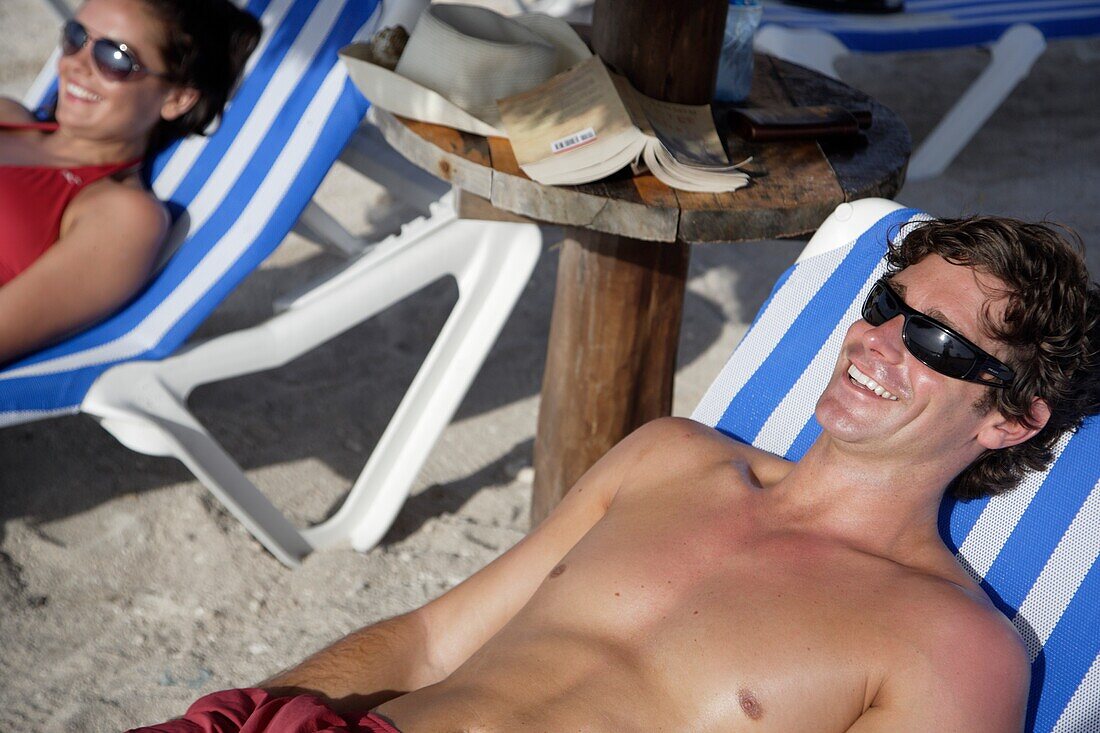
point(1015, 33)
point(1034, 549)
point(239, 192)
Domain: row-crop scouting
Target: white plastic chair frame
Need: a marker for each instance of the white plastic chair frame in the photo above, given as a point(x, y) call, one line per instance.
point(143, 404)
point(1011, 58)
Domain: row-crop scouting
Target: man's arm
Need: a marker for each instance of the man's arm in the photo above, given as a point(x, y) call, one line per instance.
point(363, 669)
point(420, 648)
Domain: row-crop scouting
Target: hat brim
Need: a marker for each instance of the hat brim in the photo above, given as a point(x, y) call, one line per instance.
point(401, 96)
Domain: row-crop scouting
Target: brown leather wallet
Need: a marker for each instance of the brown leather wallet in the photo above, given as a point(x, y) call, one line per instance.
point(764, 124)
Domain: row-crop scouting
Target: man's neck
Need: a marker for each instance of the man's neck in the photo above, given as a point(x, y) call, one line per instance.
point(883, 507)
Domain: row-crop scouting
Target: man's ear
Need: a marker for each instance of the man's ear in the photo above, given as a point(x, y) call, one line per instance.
point(1005, 432)
point(178, 102)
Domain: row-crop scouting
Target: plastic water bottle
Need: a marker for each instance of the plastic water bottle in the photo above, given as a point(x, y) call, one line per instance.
point(735, 63)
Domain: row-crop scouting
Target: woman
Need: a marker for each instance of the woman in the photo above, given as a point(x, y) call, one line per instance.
point(78, 230)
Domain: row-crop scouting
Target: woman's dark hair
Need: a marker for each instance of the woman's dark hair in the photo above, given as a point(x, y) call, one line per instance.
point(206, 45)
point(1051, 326)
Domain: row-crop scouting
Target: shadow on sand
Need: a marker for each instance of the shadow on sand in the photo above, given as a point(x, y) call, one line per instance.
point(331, 405)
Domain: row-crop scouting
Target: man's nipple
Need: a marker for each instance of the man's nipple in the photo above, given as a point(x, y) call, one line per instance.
point(749, 704)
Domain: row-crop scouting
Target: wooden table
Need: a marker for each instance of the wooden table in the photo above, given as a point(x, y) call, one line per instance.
point(623, 266)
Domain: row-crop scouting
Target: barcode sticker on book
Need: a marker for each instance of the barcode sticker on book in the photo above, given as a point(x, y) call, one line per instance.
point(574, 140)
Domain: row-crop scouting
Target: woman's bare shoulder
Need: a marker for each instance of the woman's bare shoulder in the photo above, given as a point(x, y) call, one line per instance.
point(12, 111)
point(135, 213)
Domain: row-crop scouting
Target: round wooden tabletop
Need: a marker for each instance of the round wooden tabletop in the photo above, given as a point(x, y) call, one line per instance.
point(795, 184)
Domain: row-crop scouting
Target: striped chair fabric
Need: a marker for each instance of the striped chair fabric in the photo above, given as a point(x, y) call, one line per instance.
point(939, 24)
point(1034, 549)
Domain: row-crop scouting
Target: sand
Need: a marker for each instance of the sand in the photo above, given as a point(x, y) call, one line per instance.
point(126, 591)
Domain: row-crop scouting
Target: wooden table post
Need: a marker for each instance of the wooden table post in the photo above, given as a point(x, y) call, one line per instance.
point(630, 292)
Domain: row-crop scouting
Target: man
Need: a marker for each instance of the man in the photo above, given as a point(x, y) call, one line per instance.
point(689, 582)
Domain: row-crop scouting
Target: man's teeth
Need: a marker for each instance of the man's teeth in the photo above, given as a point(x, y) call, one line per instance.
point(82, 93)
point(862, 379)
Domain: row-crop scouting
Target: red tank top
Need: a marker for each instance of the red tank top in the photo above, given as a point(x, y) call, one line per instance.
point(32, 201)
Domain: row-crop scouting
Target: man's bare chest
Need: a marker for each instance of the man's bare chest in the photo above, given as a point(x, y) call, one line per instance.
point(748, 625)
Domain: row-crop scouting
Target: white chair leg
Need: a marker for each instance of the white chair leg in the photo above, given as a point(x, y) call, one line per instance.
point(132, 404)
point(318, 225)
point(1012, 57)
point(810, 47)
point(494, 264)
point(143, 403)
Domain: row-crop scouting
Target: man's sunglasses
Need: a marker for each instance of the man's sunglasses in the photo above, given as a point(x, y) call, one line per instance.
point(934, 344)
point(115, 61)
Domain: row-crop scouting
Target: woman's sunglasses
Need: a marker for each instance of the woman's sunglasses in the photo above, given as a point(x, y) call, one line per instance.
point(934, 344)
point(115, 61)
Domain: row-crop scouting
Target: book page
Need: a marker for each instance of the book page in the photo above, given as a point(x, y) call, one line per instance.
point(616, 151)
point(677, 175)
point(566, 117)
point(687, 131)
point(632, 100)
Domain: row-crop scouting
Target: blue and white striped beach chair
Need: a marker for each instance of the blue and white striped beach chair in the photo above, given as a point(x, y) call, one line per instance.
point(1034, 549)
point(240, 191)
point(1016, 33)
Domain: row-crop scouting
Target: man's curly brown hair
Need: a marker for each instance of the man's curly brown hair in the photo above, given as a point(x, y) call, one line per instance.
point(1051, 326)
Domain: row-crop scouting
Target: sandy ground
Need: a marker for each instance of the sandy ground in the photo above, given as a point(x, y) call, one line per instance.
point(126, 591)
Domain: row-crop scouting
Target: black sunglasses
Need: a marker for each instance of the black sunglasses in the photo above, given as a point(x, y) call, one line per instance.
point(115, 61)
point(934, 344)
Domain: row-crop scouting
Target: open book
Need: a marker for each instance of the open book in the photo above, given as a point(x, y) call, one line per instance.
point(586, 123)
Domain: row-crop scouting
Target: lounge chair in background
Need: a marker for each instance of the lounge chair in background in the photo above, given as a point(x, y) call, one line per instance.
point(1034, 549)
point(238, 192)
point(60, 8)
point(1015, 33)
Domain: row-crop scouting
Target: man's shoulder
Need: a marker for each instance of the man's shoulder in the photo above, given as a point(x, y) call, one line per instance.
point(954, 645)
point(951, 611)
point(677, 444)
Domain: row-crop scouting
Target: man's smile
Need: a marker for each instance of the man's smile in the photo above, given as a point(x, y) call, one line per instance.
point(864, 382)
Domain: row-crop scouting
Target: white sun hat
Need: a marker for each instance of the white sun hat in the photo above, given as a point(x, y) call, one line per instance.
point(460, 59)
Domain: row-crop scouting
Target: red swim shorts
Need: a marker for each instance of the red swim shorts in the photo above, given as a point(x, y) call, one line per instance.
point(255, 711)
